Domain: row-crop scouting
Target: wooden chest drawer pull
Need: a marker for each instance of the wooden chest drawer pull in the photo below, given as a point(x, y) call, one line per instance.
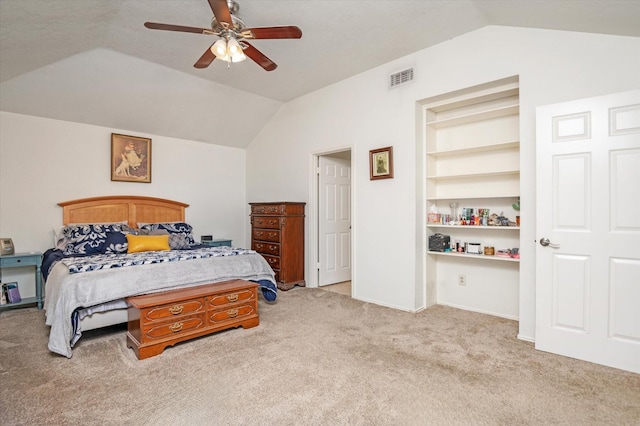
point(232, 297)
point(177, 309)
point(232, 313)
point(176, 327)
point(272, 260)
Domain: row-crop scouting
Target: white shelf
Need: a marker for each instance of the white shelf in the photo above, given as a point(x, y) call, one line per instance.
point(471, 96)
point(474, 197)
point(478, 116)
point(475, 227)
point(475, 149)
point(474, 256)
point(475, 175)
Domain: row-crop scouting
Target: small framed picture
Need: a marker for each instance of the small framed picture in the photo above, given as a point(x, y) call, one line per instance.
point(381, 163)
point(130, 158)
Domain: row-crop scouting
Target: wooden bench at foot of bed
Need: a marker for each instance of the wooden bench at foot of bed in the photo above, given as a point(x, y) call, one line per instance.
point(158, 320)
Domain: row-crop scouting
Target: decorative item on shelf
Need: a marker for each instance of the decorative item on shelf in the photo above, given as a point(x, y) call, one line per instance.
point(454, 213)
point(465, 216)
point(499, 220)
point(511, 252)
point(473, 248)
point(381, 163)
point(439, 242)
point(489, 251)
point(516, 207)
point(433, 216)
point(484, 216)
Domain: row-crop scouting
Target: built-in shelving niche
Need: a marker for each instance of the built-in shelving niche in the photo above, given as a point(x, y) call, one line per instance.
point(472, 139)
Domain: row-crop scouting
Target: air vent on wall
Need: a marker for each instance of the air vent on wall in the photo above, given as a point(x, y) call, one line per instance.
point(400, 78)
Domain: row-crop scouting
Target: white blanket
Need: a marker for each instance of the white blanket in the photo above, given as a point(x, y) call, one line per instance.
point(67, 292)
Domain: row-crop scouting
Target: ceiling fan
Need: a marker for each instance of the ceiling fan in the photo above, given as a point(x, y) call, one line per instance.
point(232, 45)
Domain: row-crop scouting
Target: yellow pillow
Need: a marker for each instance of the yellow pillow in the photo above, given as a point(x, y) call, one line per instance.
point(138, 243)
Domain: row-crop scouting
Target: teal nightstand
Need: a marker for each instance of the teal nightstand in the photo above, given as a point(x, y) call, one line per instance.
point(217, 243)
point(19, 260)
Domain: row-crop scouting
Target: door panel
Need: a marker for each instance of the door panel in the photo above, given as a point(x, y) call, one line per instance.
point(571, 204)
point(588, 199)
point(334, 220)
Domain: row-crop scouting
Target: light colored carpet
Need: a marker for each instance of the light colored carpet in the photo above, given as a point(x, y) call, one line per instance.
point(317, 358)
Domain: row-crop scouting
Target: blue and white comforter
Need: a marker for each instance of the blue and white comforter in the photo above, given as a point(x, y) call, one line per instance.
point(120, 260)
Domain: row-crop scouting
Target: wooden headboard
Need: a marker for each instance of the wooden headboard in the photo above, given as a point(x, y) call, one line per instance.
point(118, 208)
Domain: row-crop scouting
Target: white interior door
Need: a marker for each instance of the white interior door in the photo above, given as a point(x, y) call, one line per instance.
point(334, 220)
point(588, 230)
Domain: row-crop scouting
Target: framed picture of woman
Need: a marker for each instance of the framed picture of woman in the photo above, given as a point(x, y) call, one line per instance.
point(130, 158)
point(381, 163)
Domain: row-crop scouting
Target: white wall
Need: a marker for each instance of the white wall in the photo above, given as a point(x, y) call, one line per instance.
point(363, 113)
point(44, 161)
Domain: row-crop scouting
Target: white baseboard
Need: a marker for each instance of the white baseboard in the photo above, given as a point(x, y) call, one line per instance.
point(480, 311)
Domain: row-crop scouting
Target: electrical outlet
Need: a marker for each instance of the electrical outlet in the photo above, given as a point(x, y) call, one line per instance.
point(462, 279)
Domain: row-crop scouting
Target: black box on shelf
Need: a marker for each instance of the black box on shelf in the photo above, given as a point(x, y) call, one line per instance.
point(439, 242)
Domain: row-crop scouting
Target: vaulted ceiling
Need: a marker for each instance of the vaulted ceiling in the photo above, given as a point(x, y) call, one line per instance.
point(94, 62)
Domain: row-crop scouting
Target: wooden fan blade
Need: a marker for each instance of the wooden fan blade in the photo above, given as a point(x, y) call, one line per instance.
point(205, 60)
point(258, 57)
point(180, 28)
point(272, 32)
point(220, 10)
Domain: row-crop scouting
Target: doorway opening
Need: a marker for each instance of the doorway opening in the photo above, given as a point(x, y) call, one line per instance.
point(331, 222)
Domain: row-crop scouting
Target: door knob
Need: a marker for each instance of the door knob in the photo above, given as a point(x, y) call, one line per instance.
point(544, 242)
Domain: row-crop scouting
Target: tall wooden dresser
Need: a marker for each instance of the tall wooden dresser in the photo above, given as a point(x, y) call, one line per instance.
point(277, 233)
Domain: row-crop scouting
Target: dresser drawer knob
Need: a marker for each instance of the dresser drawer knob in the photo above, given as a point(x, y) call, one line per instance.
point(176, 327)
point(232, 297)
point(176, 309)
point(232, 313)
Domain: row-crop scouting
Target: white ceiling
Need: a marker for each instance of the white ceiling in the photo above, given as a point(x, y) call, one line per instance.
point(93, 61)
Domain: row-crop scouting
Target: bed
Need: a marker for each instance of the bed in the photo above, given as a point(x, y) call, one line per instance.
point(108, 251)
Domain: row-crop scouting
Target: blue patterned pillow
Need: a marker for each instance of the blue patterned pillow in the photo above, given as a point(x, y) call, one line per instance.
point(116, 243)
point(179, 228)
point(88, 238)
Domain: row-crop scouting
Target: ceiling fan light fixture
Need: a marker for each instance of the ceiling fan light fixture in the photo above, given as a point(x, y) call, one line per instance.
point(219, 48)
point(234, 50)
point(228, 50)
